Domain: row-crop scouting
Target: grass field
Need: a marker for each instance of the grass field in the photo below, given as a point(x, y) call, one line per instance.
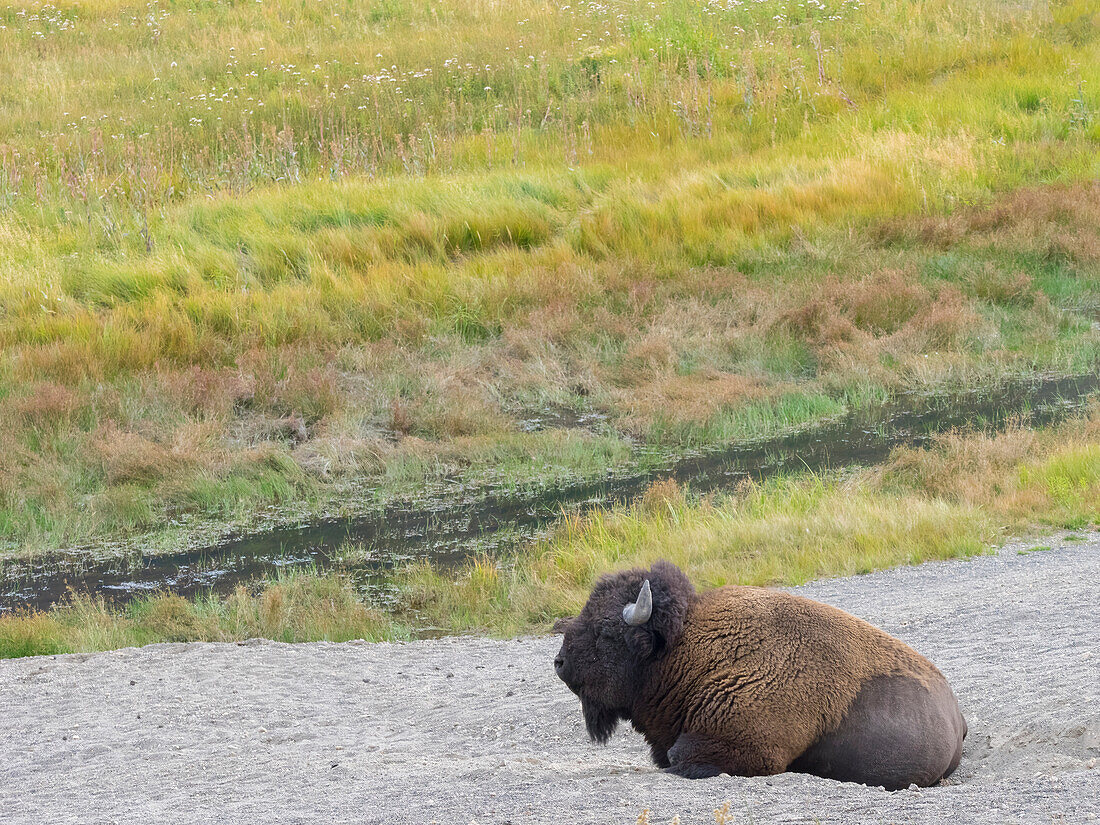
point(266, 257)
point(255, 255)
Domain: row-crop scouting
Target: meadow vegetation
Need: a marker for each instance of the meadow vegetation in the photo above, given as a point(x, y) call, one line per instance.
point(307, 256)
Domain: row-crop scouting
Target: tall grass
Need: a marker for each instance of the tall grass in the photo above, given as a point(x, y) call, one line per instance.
point(253, 255)
point(142, 103)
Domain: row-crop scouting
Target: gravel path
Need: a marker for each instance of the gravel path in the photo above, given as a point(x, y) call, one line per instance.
point(473, 730)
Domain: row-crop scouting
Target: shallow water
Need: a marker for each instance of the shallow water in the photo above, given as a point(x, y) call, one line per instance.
point(452, 531)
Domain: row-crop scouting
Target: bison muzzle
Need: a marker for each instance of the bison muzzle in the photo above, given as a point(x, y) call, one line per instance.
point(750, 681)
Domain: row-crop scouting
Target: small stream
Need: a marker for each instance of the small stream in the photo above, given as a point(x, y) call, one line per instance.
point(452, 531)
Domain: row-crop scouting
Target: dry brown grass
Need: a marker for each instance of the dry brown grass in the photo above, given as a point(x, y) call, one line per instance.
point(662, 495)
point(339, 455)
point(44, 401)
point(1059, 220)
point(208, 391)
point(1001, 286)
point(891, 311)
point(291, 382)
point(690, 399)
point(646, 359)
point(883, 302)
point(820, 322)
point(971, 468)
point(1020, 475)
point(841, 312)
point(132, 457)
point(944, 323)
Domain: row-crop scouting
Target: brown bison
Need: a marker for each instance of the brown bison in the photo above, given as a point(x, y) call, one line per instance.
point(749, 681)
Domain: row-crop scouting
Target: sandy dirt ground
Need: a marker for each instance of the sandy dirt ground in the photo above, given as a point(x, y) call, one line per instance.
point(473, 730)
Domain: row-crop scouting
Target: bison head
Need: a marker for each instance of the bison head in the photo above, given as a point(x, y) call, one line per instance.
point(630, 619)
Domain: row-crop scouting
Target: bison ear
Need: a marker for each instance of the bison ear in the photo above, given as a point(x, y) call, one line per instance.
point(561, 625)
point(669, 593)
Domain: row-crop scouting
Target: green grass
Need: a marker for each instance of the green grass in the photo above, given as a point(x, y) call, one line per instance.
point(1068, 480)
point(1039, 548)
point(753, 421)
point(269, 257)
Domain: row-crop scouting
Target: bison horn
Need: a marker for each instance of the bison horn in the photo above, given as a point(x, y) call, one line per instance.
point(640, 611)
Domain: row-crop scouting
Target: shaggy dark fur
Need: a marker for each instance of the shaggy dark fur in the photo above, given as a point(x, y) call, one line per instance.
point(750, 681)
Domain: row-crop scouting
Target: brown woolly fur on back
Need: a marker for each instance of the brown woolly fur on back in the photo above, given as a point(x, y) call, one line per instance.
point(751, 681)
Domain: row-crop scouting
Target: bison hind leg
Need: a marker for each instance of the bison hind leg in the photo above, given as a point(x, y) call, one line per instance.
point(898, 732)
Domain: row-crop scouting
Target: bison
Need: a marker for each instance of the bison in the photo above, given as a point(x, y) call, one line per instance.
point(750, 681)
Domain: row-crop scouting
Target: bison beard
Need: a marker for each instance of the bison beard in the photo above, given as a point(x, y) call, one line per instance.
point(600, 721)
point(749, 681)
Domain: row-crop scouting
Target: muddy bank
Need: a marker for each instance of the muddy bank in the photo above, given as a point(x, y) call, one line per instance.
point(475, 730)
point(450, 529)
